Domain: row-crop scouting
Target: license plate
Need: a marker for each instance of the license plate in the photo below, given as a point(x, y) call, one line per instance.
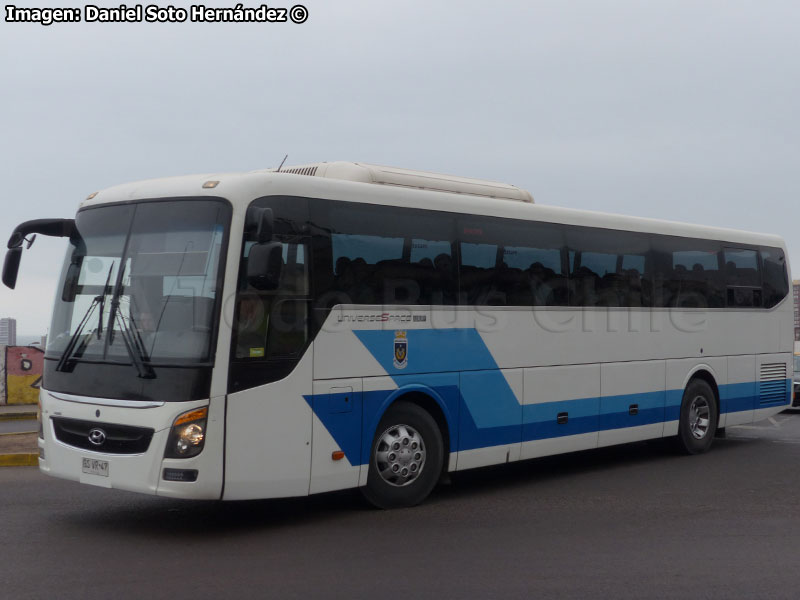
point(93, 466)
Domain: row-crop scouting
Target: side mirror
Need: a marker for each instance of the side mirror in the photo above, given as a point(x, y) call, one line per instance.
point(52, 227)
point(11, 266)
point(264, 265)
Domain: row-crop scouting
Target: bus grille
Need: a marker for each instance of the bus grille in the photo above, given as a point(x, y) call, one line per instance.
point(115, 439)
point(772, 387)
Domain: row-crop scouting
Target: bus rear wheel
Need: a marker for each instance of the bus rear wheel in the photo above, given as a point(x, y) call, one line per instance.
point(406, 457)
point(698, 418)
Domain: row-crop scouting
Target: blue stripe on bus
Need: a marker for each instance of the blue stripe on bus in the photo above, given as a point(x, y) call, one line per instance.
point(474, 422)
point(538, 420)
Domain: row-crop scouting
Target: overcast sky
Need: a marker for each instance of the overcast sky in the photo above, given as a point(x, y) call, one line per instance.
point(683, 110)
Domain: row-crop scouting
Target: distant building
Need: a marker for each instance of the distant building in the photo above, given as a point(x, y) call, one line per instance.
point(8, 332)
point(796, 310)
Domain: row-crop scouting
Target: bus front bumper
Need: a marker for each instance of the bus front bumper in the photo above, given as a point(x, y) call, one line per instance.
point(129, 463)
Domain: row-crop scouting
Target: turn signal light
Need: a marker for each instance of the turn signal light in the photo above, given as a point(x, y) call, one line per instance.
point(338, 455)
point(192, 415)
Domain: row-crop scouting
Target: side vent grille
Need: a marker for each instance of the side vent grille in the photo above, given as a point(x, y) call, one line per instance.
point(310, 171)
point(772, 388)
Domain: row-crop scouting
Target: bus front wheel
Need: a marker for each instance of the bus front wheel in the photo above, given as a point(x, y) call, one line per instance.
point(698, 419)
point(406, 457)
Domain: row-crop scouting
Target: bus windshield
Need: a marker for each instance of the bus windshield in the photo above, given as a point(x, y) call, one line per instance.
point(139, 284)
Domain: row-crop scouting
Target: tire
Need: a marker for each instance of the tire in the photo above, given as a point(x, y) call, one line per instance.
point(406, 457)
point(698, 419)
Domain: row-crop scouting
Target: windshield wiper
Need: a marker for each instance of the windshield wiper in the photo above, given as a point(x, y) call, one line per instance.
point(135, 351)
point(69, 351)
point(62, 362)
point(103, 302)
point(136, 337)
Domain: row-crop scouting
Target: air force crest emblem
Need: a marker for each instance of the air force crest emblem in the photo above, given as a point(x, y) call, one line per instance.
point(400, 350)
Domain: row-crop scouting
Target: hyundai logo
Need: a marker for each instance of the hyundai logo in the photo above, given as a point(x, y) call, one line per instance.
point(97, 437)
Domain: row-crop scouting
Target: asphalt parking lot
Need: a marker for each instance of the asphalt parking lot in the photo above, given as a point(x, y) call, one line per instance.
point(628, 522)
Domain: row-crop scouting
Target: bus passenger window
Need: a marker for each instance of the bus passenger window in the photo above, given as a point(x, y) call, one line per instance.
point(385, 256)
point(690, 275)
point(478, 275)
point(609, 268)
point(742, 277)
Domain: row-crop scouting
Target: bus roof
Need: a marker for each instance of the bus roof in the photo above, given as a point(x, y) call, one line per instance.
point(337, 181)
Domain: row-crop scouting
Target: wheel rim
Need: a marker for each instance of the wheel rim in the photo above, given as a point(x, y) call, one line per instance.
point(400, 455)
point(699, 417)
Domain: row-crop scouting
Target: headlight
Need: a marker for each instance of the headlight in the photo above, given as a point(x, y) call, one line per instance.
point(188, 434)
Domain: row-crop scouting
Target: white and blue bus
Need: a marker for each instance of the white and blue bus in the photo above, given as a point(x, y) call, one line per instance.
point(343, 325)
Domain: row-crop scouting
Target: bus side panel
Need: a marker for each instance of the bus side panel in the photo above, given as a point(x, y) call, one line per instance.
point(268, 438)
point(633, 401)
point(561, 410)
point(490, 425)
point(338, 408)
point(739, 396)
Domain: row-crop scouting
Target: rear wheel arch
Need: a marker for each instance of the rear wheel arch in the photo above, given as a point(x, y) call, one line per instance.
point(434, 409)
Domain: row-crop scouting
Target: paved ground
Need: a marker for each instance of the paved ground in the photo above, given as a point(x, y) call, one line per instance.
point(629, 522)
point(15, 420)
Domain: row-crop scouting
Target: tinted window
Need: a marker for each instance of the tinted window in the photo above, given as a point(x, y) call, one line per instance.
point(511, 263)
point(478, 269)
point(385, 255)
point(774, 278)
point(271, 327)
point(609, 268)
point(422, 250)
point(273, 323)
point(481, 256)
point(694, 260)
point(742, 277)
point(741, 267)
point(388, 255)
point(599, 263)
point(634, 262)
point(688, 273)
point(371, 249)
point(520, 257)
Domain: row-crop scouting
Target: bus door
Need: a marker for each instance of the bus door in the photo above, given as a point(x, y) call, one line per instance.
point(269, 418)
